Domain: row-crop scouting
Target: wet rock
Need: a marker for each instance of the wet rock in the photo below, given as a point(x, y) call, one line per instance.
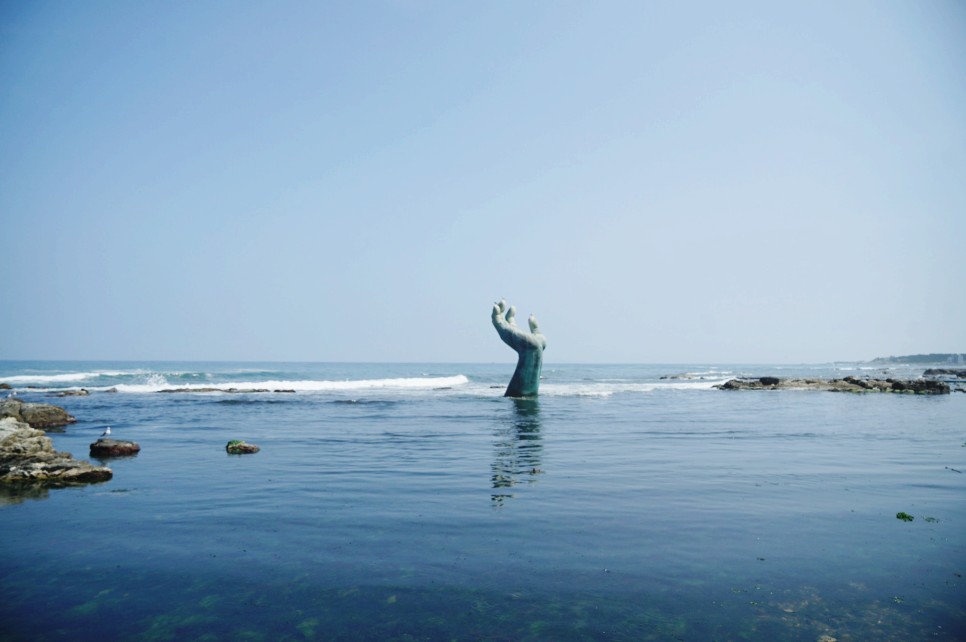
point(107, 447)
point(739, 384)
point(239, 447)
point(921, 387)
point(936, 372)
point(27, 456)
point(5, 386)
point(74, 393)
point(847, 384)
point(38, 415)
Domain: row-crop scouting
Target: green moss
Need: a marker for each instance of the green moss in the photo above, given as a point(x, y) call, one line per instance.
point(906, 517)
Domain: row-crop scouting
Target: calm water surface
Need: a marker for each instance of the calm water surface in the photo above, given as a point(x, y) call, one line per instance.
point(416, 503)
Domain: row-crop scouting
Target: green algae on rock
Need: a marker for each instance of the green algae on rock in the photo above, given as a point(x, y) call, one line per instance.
point(239, 447)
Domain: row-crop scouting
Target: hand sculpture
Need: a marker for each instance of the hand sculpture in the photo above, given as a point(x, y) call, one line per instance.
point(529, 347)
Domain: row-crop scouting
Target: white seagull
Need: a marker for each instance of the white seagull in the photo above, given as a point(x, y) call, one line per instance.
point(107, 431)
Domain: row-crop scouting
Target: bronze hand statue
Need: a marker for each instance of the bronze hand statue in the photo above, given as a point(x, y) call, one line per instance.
point(529, 347)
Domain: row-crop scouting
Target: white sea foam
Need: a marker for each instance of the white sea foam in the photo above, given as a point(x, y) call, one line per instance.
point(610, 388)
point(156, 383)
point(29, 380)
point(66, 377)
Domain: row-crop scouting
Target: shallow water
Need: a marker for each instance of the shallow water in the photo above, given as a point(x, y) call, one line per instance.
point(617, 506)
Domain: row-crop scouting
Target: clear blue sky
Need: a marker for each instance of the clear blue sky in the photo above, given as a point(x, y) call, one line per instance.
point(359, 181)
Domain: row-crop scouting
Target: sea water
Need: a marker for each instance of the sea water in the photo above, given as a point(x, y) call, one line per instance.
point(415, 502)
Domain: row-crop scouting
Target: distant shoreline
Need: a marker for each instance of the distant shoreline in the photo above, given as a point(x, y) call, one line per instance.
point(932, 358)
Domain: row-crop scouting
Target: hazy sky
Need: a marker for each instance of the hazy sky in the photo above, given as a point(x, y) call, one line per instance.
point(359, 181)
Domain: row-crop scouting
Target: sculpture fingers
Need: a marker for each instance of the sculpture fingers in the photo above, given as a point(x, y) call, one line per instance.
point(511, 314)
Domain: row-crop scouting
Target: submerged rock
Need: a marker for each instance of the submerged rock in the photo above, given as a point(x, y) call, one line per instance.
point(107, 447)
point(239, 447)
point(27, 456)
point(83, 392)
point(848, 384)
point(38, 415)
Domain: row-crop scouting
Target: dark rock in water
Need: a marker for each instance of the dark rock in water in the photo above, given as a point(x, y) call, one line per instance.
point(27, 457)
point(921, 387)
point(107, 447)
point(5, 386)
point(74, 393)
point(239, 447)
point(848, 384)
point(38, 415)
point(935, 372)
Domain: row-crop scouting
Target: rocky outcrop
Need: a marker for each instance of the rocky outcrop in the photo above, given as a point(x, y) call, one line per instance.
point(107, 447)
point(947, 372)
point(239, 447)
point(848, 384)
point(38, 415)
point(28, 457)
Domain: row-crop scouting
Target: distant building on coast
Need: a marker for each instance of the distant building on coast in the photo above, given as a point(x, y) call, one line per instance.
point(935, 357)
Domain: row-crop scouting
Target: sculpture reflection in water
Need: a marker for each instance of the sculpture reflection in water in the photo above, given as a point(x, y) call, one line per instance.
point(528, 345)
point(518, 447)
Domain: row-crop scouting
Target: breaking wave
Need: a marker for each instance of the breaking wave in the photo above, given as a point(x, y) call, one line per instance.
point(159, 384)
point(606, 389)
point(55, 379)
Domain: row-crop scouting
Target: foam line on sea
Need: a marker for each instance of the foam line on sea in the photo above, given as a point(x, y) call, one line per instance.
point(158, 384)
point(67, 377)
point(606, 389)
